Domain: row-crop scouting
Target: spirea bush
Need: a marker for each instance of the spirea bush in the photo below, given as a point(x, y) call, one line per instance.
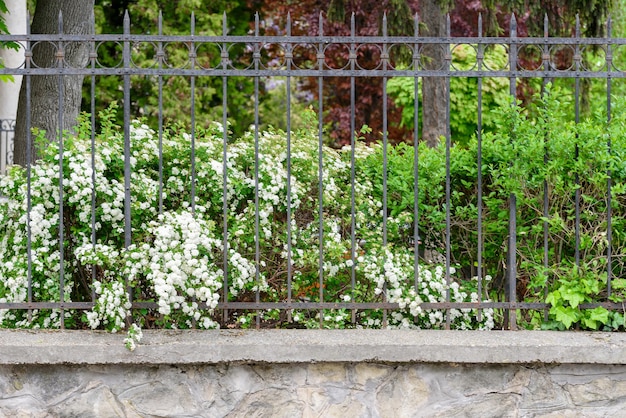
point(175, 256)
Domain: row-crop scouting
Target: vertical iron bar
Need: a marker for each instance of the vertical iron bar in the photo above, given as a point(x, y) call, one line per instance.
point(512, 256)
point(127, 149)
point(160, 58)
point(352, 165)
point(93, 57)
point(61, 86)
point(609, 210)
point(576, 150)
point(416, 238)
point(289, 214)
point(29, 157)
point(546, 209)
point(320, 130)
point(224, 56)
point(479, 162)
point(192, 60)
point(385, 55)
point(257, 244)
point(448, 58)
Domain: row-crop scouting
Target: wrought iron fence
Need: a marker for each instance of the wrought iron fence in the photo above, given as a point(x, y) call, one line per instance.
point(321, 47)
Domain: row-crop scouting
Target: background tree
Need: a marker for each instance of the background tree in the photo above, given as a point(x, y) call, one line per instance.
point(336, 90)
point(44, 106)
point(144, 16)
point(435, 90)
point(305, 15)
point(529, 15)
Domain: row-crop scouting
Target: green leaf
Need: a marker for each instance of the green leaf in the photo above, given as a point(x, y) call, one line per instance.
point(566, 315)
point(617, 320)
point(574, 298)
point(553, 298)
point(599, 314)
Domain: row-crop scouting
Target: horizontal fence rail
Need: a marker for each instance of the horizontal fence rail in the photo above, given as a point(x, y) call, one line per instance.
point(226, 65)
point(295, 58)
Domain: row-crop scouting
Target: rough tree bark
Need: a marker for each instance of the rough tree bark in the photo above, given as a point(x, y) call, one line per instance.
point(435, 91)
point(44, 109)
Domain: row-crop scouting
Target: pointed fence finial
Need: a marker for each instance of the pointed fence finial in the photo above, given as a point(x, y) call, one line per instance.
point(545, 25)
point(416, 24)
point(480, 25)
point(60, 22)
point(385, 24)
point(321, 24)
point(126, 23)
point(448, 25)
point(256, 24)
point(288, 23)
point(193, 24)
point(352, 25)
point(224, 25)
point(513, 26)
point(160, 23)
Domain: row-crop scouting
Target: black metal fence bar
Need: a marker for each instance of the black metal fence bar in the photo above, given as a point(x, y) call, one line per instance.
point(448, 139)
point(545, 64)
point(319, 69)
point(352, 168)
point(257, 234)
point(609, 226)
point(416, 125)
point(479, 167)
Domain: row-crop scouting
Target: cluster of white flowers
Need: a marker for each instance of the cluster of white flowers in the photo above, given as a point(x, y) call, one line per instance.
point(112, 306)
point(176, 257)
point(181, 264)
point(133, 337)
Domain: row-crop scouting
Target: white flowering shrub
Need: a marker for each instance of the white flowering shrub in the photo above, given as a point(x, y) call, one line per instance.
point(176, 253)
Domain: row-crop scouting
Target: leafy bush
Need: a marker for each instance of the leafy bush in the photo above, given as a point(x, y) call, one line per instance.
point(534, 149)
point(532, 146)
point(175, 256)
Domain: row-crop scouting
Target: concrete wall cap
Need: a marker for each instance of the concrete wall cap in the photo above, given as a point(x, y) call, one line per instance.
point(306, 346)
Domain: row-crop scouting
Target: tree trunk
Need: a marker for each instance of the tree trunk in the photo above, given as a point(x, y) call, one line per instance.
point(44, 99)
point(435, 90)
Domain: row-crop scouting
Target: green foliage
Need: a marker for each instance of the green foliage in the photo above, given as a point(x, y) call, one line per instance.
point(273, 108)
point(532, 148)
point(176, 89)
point(463, 92)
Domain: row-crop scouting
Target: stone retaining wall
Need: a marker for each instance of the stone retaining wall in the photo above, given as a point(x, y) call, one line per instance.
point(296, 373)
